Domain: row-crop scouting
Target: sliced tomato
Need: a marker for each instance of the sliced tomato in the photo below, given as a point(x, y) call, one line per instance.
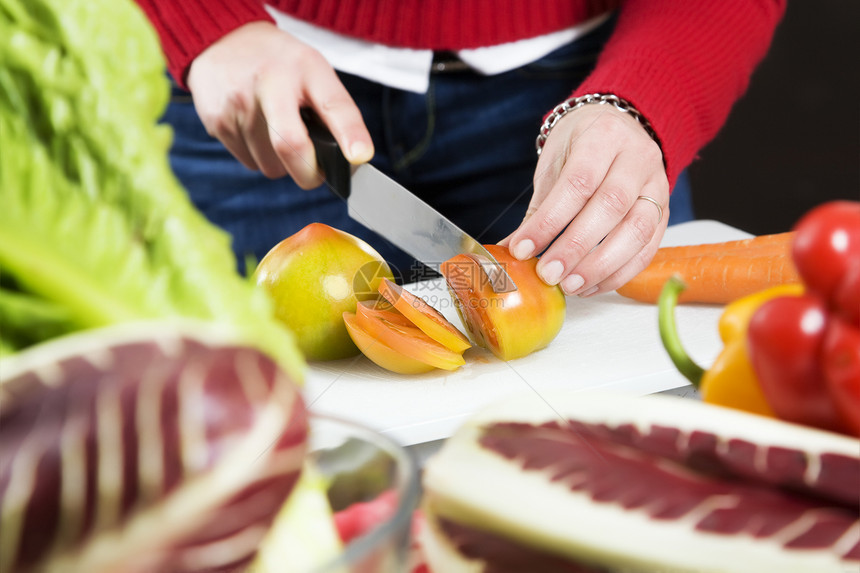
point(381, 354)
point(424, 316)
point(513, 324)
point(410, 341)
point(381, 308)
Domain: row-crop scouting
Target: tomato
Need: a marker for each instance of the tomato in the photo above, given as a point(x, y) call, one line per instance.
point(827, 240)
point(380, 353)
point(424, 316)
point(313, 277)
point(513, 324)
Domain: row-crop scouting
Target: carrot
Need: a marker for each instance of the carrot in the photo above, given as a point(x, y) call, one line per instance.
point(717, 273)
point(775, 243)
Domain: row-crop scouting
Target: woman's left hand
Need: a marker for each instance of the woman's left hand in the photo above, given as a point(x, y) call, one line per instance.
point(587, 209)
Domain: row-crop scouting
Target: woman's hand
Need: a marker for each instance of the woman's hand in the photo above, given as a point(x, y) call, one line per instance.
point(584, 211)
point(248, 88)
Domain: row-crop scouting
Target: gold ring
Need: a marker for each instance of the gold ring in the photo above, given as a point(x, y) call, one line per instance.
point(656, 203)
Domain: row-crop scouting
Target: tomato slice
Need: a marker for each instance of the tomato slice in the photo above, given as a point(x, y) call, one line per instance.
point(411, 342)
point(460, 273)
point(381, 354)
point(424, 316)
point(381, 308)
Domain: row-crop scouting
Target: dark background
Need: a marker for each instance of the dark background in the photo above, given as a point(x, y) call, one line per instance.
point(793, 141)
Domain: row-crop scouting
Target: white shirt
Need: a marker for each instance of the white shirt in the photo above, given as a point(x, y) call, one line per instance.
point(409, 69)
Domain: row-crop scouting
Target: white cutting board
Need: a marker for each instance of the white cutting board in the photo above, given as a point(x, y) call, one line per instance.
point(607, 342)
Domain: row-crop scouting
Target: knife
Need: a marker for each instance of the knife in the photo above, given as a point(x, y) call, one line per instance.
point(417, 228)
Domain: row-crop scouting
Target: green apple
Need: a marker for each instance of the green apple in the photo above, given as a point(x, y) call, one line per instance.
point(313, 277)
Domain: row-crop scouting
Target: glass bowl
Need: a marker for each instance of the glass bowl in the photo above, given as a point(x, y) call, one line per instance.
point(361, 464)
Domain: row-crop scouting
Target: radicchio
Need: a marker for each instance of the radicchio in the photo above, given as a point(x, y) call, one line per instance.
point(151, 451)
point(715, 493)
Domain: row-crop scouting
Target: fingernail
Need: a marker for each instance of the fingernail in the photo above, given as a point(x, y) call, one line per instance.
point(551, 272)
point(588, 292)
point(524, 249)
point(360, 152)
point(572, 283)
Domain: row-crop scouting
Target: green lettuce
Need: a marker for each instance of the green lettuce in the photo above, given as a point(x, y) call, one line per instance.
point(95, 229)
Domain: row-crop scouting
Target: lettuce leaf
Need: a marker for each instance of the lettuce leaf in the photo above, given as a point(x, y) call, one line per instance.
point(95, 229)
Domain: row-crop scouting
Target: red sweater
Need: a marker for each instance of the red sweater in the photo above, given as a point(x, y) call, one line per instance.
point(681, 63)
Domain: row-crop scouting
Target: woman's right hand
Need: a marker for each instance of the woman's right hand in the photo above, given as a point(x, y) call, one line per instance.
point(248, 88)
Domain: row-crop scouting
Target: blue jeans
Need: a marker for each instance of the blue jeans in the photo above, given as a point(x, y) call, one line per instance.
point(466, 147)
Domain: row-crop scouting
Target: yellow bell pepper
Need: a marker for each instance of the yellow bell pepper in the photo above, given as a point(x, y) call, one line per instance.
point(730, 381)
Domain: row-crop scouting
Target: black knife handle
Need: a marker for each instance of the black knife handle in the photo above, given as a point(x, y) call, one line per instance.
point(330, 159)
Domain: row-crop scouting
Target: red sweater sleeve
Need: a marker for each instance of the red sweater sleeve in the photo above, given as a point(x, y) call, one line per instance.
point(683, 65)
point(188, 28)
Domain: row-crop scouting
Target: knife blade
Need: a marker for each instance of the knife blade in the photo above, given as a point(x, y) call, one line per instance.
point(415, 227)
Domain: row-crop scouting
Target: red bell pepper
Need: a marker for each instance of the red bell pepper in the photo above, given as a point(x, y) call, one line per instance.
point(846, 297)
point(805, 350)
point(841, 364)
point(785, 337)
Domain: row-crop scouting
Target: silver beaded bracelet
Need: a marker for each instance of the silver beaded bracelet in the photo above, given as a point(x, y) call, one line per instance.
point(571, 104)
